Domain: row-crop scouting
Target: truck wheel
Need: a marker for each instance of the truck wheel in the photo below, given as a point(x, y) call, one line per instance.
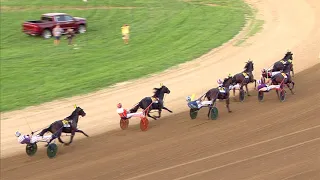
point(82, 29)
point(46, 34)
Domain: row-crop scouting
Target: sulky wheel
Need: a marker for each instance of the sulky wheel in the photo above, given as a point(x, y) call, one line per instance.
point(260, 96)
point(193, 113)
point(31, 149)
point(282, 95)
point(124, 123)
point(52, 150)
point(214, 113)
point(241, 95)
point(144, 123)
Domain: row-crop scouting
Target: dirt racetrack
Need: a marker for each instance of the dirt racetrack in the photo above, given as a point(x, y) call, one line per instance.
point(271, 141)
point(268, 140)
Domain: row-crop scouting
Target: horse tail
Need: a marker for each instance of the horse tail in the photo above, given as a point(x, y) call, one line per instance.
point(135, 108)
point(45, 130)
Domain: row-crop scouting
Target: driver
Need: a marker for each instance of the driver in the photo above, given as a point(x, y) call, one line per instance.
point(27, 139)
point(267, 86)
point(125, 113)
point(197, 103)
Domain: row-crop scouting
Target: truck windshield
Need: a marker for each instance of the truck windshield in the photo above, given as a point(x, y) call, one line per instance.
point(44, 18)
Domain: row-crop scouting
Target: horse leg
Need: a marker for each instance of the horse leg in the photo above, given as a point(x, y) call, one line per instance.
point(292, 72)
point(44, 131)
point(148, 114)
point(234, 93)
point(60, 140)
point(210, 107)
point(159, 112)
point(247, 89)
point(167, 109)
point(71, 137)
point(227, 104)
point(55, 135)
point(80, 131)
point(278, 94)
point(288, 85)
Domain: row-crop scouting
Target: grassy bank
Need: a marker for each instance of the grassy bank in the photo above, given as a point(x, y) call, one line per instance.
point(163, 33)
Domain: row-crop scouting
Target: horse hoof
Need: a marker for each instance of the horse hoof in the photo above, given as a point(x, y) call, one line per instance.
point(230, 111)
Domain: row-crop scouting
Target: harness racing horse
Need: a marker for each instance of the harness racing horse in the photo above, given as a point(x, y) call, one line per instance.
point(220, 93)
point(244, 78)
point(283, 78)
point(284, 64)
point(156, 100)
point(67, 125)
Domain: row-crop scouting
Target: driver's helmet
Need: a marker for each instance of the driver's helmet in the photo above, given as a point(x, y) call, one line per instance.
point(119, 105)
point(188, 98)
point(229, 75)
point(18, 134)
point(219, 81)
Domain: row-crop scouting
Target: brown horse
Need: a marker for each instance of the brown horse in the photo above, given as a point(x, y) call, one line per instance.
point(285, 64)
point(245, 77)
point(219, 93)
point(58, 127)
point(283, 79)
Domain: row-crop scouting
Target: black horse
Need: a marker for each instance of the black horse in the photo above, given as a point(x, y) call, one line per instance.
point(285, 64)
point(245, 77)
point(220, 93)
point(156, 100)
point(283, 79)
point(68, 125)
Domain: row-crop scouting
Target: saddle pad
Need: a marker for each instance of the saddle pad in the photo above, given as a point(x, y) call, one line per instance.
point(65, 123)
point(245, 75)
point(284, 75)
point(222, 90)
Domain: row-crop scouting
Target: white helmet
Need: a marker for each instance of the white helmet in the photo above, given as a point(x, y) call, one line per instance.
point(18, 134)
point(219, 81)
point(188, 98)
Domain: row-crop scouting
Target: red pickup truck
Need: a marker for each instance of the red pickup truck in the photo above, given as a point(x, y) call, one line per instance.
point(48, 21)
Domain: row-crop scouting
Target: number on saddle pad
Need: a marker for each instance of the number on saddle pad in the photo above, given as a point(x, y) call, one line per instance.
point(284, 75)
point(154, 100)
point(65, 123)
point(222, 89)
point(245, 75)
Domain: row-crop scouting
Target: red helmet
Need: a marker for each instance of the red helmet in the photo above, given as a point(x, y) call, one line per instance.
point(119, 105)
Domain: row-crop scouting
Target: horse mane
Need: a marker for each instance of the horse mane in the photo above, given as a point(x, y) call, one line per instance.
point(157, 91)
point(74, 113)
point(246, 67)
point(226, 80)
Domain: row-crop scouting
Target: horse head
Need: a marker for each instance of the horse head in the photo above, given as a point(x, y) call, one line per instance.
point(159, 92)
point(249, 66)
point(288, 56)
point(76, 113)
point(227, 82)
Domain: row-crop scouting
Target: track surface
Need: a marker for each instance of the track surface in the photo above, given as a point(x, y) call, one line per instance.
point(269, 140)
